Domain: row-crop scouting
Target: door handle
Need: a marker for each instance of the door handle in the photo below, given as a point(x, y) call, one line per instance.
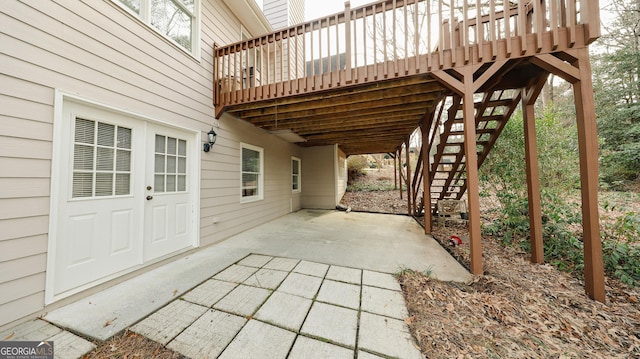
point(149, 198)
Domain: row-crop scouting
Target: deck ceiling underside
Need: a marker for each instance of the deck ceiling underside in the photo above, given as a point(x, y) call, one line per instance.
point(371, 118)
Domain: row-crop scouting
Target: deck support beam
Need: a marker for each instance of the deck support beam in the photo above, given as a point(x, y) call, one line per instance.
point(529, 96)
point(588, 152)
point(408, 155)
point(426, 176)
point(471, 155)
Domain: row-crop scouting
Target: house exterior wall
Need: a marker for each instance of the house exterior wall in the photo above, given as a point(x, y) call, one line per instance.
point(284, 13)
point(319, 177)
point(341, 174)
point(97, 51)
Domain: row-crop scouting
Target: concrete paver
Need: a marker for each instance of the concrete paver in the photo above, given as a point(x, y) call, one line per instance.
point(255, 260)
point(70, 346)
point(33, 330)
point(165, 324)
point(384, 302)
point(266, 278)
point(386, 336)
point(284, 310)
point(343, 294)
point(365, 355)
point(311, 268)
point(284, 264)
point(260, 340)
point(209, 292)
point(208, 336)
point(243, 300)
point(344, 274)
point(66, 344)
point(307, 348)
point(381, 280)
point(301, 285)
point(235, 273)
point(336, 324)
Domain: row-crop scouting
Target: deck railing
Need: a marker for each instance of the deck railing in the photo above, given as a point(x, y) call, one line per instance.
point(393, 38)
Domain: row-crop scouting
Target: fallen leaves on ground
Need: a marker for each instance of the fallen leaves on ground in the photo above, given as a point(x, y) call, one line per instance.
point(132, 345)
point(520, 310)
point(516, 309)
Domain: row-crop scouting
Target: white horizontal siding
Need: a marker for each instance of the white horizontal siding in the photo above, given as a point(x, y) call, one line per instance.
point(318, 178)
point(97, 51)
point(22, 247)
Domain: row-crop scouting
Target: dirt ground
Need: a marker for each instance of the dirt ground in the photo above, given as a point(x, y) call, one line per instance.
point(516, 309)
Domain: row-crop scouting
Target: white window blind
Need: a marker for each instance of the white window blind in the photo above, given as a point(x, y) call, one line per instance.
point(101, 159)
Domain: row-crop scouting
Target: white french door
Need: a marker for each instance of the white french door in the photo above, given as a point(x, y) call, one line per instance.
point(168, 209)
point(127, 197)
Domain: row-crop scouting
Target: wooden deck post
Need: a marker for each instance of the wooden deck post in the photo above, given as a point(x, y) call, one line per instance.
point(408, 155)
point(425, 174)
point(473, 190)
point(579, 74)
point(533, 181)
point(400, 175)
point(395, 171)
point(588, 148)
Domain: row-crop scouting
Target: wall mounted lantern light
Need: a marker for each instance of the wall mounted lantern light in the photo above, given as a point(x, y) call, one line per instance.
point(212, 139)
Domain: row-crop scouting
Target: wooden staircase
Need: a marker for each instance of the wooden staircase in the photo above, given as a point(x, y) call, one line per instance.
point(493, 110)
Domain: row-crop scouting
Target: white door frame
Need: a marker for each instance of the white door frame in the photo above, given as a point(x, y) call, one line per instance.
point(58, 179)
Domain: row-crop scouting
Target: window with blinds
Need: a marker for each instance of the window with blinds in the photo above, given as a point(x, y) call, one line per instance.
point(170, 174)
point(252, 167)
point(101, 159)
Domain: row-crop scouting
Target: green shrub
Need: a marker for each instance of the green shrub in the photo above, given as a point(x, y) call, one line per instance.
point(355, 166)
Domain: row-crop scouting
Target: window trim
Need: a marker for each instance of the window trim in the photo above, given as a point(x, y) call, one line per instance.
point(299, 189)
point(260, 195)
point(145, 18)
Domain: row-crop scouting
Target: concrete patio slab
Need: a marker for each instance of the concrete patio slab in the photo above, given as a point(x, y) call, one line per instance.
point(236, 273)
point(243, 300)
point(209, 292)
point(307, 348)
point(283, 264)
point(266, 278)
point(333, 323)
point(301, 285)
point(347, 242)
point(255, 260)
point(344, 274)
point(385, 302)
point(311, 268)
point(260, 340)
point(208, 336)
point(378, 242)
point(338, 293)
point(284, 310)
point(386, 336)
point(380, 280)
point(165, 324)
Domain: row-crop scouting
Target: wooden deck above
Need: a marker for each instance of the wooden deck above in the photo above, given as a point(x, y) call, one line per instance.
point(366, 78)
